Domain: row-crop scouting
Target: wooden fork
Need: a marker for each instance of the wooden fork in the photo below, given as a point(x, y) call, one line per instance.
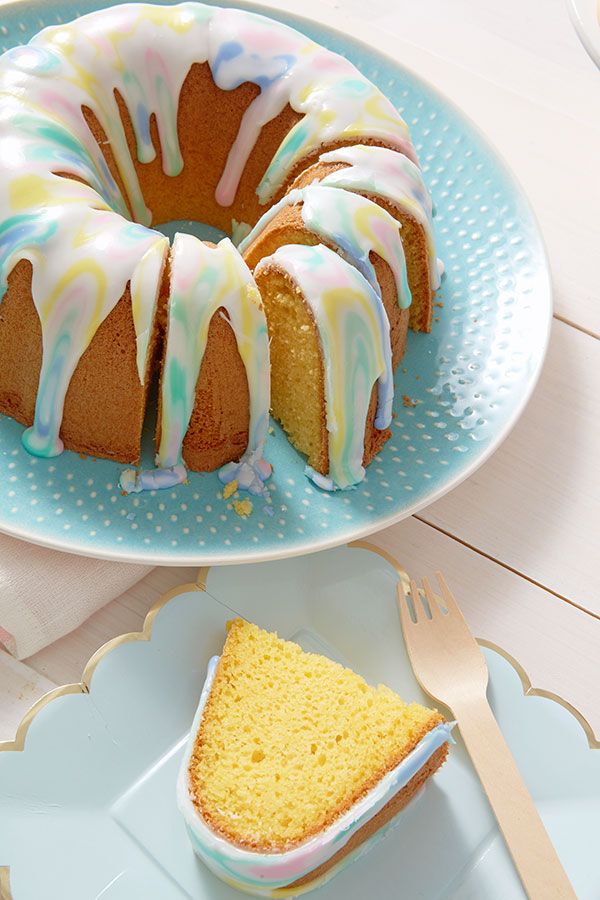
point(449, 666)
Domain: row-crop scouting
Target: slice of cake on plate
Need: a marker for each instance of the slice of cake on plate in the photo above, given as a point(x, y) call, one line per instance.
point(294, 762)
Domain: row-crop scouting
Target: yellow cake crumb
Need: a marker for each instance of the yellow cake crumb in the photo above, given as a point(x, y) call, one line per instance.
point(289, 740)
point(230, 489)
point(243, 508)
point(408, 403)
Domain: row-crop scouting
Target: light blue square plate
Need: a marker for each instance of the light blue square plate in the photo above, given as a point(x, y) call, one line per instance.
point(470, 378)
point(87, 807)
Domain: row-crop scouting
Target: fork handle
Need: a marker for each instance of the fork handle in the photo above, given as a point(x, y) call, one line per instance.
point(535, 858)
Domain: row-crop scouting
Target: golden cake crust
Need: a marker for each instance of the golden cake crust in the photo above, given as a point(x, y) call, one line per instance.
point(397, 803)
point(105, 402)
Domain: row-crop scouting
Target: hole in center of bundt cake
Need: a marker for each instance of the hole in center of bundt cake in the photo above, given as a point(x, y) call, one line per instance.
point(188, 226)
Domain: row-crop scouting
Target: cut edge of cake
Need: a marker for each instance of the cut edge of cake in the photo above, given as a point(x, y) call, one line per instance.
point(319, 855)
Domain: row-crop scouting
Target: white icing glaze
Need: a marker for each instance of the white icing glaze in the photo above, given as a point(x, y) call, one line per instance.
point(392, 176)
point(144, 285)
point(145, 52)
point(354, 224)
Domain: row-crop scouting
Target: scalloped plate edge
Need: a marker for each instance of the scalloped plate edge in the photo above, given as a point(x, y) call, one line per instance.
point(84, 686)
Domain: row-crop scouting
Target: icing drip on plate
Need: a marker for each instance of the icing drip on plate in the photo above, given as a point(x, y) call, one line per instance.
point(263, 873)
point(355, 224)
point(355, 336)
point(134, 482)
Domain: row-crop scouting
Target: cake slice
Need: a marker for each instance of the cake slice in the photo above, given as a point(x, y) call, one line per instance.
point(395, 183)
point(355, 227)
point(214, 383)
point(331, 360)
point(295, 761)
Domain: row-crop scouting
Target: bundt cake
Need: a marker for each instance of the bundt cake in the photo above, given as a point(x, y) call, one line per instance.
point(294, 762)
point(142, 114)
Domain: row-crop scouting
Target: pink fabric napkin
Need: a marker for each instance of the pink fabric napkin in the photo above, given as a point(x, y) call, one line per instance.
point(44, 594)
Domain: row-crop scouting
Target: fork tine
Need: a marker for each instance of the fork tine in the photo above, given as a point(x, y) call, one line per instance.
point(415, 598)
point(403, 608)
point(451, 604)
point(433, 604)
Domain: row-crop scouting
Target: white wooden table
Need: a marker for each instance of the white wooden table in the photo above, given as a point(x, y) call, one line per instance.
point(520, 540)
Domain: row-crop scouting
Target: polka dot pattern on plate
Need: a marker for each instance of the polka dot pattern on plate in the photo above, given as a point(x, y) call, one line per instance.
point(466, 381)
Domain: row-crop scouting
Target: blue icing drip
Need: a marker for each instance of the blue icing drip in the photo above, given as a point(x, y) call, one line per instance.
point(250, 473)
point(22, 231)
point(227, 51)
point(264, 82)
point(112, 183)
point(321, 481)
point(232, 49)
point(143, 123)
point(133, 482)
point(42, 438)
point(359, 258)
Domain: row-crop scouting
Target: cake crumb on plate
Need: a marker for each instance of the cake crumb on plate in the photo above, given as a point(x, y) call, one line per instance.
point(243, 508)
point(230, 489)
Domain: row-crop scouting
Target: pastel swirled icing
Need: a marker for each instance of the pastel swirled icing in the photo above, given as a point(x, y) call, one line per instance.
point(62, 209)
point(267, 874)
point(355, 224)
point(145, 53)
point(355, 338)
point(205, 279)
point(67, 240)
point(394, 177)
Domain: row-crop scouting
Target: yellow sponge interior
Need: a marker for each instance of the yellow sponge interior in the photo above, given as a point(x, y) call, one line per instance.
point(290, 740)
point(297, 379)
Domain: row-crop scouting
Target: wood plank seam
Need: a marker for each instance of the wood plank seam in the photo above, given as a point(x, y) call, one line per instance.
point(577, 327)
point(504, 565)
